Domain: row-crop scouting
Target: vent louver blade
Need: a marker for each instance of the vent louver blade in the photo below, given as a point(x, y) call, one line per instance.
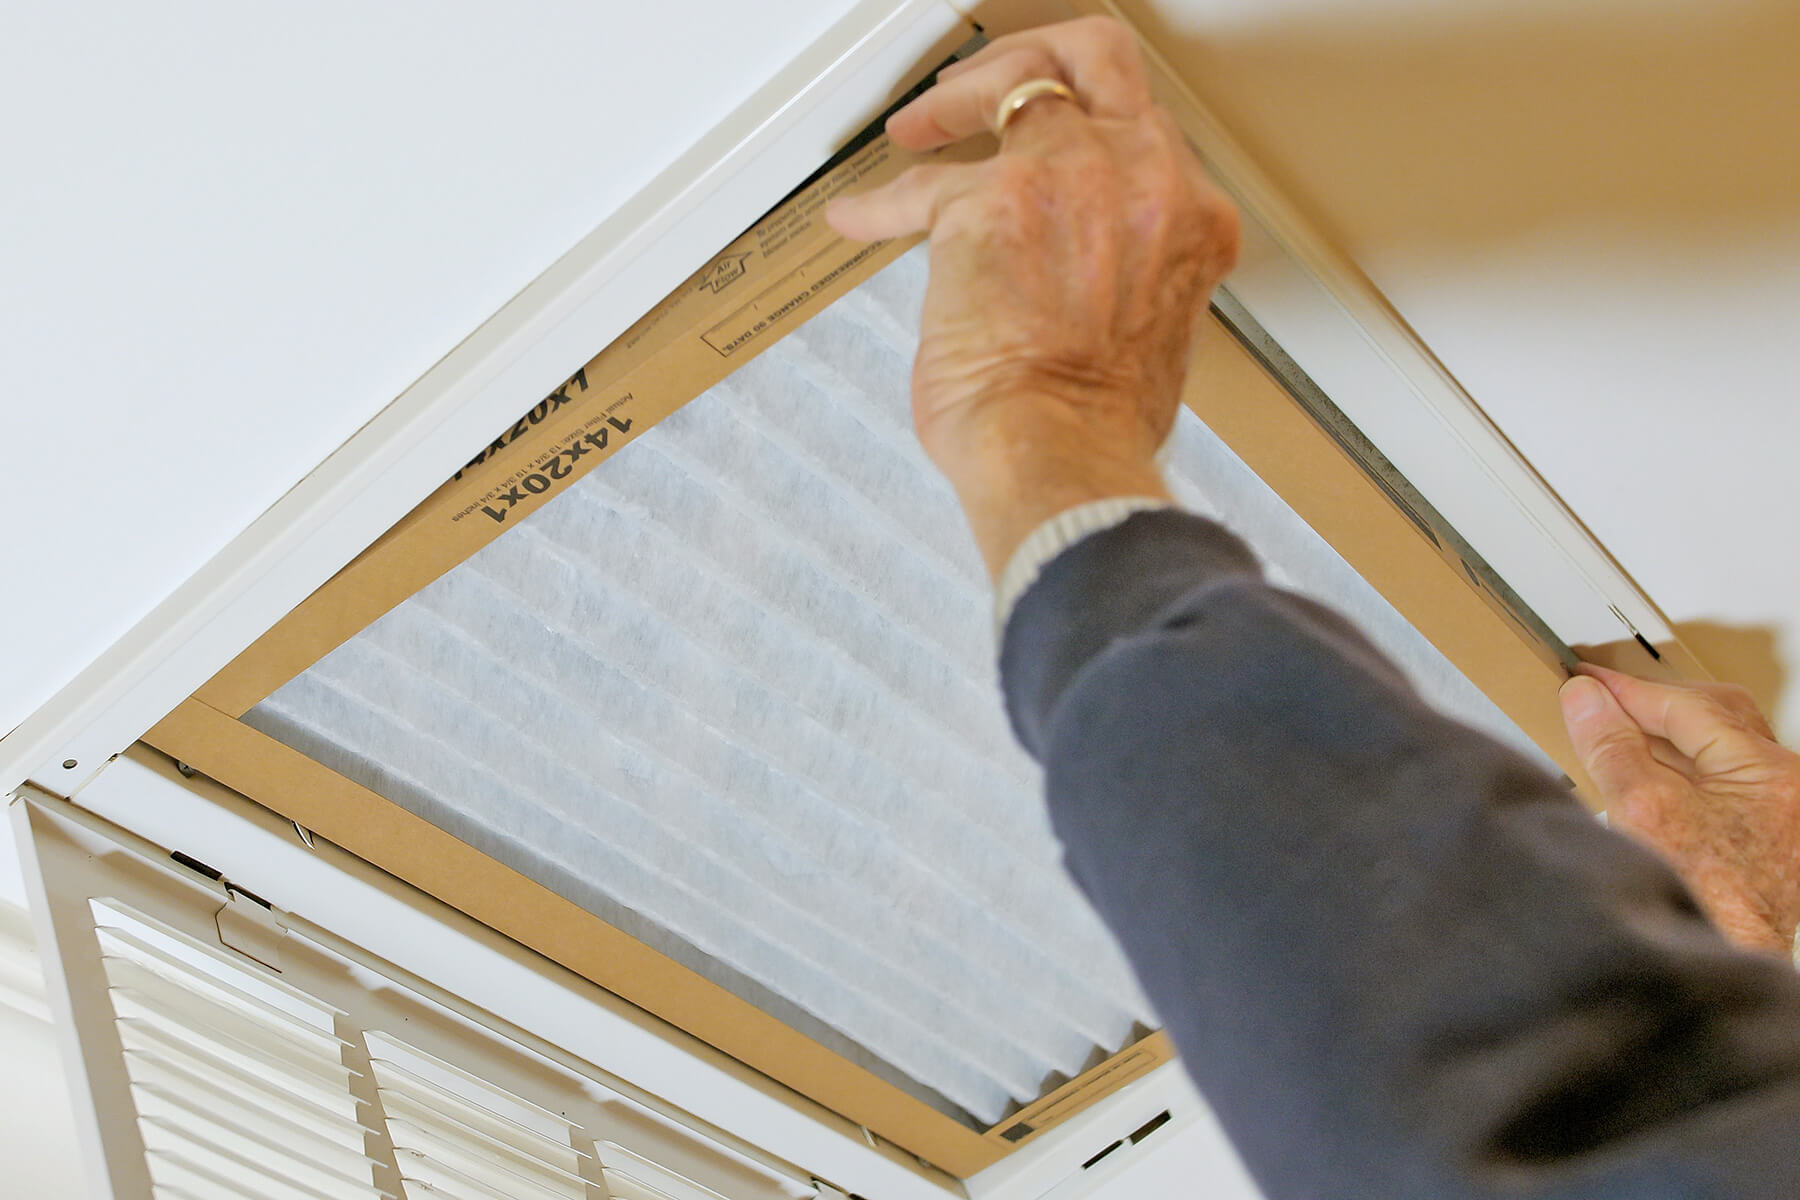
point(458, 1137)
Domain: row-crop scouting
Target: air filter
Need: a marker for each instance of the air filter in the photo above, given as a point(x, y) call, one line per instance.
point(734, 692)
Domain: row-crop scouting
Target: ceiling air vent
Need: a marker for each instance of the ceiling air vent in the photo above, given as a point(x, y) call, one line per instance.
point(734, 692)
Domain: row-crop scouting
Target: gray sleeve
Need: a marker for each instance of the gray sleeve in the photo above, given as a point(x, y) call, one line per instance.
point(1398, 959)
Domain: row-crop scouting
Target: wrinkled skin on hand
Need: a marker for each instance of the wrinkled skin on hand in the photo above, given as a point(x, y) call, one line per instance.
point(1068, 276)
point(1694, 771)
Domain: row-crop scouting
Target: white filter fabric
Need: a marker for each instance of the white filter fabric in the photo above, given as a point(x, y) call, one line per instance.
point(735, 693)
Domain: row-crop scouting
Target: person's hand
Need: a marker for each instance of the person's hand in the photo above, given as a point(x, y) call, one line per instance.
point(1694, 771)
point(1068, 276)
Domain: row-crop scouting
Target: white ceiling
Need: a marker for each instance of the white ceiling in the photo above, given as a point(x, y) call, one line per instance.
point(230, 236)
point(1587, 210)
point(235, 242)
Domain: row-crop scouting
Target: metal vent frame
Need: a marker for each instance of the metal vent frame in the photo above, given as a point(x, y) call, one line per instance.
point(1258, 414)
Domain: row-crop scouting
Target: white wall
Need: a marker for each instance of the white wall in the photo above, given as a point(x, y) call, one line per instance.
point(37, 1127)
point(12, 881)
point(38, 1155)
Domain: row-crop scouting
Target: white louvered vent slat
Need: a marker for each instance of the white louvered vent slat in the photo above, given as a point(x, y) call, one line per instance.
point(249, 1130)
point(462, 1137)
point(238, 1082)
point(267, 1055)
point(226, 1086)
point(147, 996)
point(257, 1168)
point(179, 1178)
point(631, 1176)
point(623, 1186)
point(428, 1108)
point(274, 1006)
point(147, 1043)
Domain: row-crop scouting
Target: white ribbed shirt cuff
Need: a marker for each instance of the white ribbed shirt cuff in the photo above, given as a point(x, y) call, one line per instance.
point(1052, 538)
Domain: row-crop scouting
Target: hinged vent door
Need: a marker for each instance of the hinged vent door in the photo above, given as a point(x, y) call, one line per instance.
point(213, 1074)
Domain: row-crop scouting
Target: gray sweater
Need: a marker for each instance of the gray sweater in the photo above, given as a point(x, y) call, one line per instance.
point(1399, 960)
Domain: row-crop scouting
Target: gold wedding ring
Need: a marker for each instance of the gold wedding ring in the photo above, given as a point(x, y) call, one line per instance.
point(1024, 94)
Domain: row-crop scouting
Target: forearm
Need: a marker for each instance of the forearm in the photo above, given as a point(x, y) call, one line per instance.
point(1398, 959)
point(1026, 456)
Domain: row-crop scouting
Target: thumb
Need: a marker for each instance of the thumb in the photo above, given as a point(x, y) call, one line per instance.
point(1615, 751)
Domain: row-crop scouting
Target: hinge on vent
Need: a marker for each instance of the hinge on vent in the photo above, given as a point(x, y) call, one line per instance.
point(247, 924)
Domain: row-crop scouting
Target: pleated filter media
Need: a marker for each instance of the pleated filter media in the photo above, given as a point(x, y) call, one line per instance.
point(734, 692)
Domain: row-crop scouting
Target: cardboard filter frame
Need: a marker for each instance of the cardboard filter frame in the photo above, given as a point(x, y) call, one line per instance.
point(768, 281)
point(786, 268)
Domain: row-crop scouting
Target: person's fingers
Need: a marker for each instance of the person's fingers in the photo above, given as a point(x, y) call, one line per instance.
point(1740, 701)
point(902, 206)
point(1694, 722)
point(963, 64)
point(1609, 743)
point(1098, 58)
point(965, 106)
point(1096, 51)
point(1010, 43)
